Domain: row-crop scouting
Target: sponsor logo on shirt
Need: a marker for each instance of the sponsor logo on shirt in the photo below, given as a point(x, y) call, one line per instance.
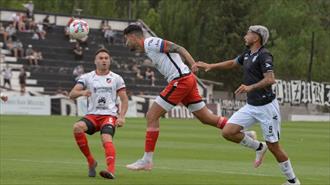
point(157, 43)
point(268, 65)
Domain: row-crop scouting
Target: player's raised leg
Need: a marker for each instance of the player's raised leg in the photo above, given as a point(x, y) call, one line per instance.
point(207, 117)
point(233, 132)
point(153, 115)
point(79, 129)
point(107, 132)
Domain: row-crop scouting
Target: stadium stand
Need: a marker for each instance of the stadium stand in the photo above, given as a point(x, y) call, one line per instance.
point(55, 70)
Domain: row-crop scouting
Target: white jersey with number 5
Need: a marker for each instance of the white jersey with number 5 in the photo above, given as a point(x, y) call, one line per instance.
point(168, 64)
point(104, 90)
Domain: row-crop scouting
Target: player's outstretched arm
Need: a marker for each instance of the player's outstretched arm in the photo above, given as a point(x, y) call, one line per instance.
point(170, 47)
point(78, 90)
point(220, 65)
point(269, 79)
point(123, 108)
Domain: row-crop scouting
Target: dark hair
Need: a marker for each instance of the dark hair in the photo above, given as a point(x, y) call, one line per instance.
point(102, 50)
point(133, 28)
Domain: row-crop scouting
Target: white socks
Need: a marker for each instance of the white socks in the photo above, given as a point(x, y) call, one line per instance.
point(287, 170)
point(249, 142)
point(148, 156)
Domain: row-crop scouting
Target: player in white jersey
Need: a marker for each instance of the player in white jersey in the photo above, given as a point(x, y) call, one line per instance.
point(102, 87)
point(182, 87)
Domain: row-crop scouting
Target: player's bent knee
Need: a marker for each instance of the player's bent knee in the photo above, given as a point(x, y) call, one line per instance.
point(108, 129)
point(151, 118)
point(78, 127)
point(227, 133)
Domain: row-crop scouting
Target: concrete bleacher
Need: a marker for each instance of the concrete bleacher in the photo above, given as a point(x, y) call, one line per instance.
point(55, 70)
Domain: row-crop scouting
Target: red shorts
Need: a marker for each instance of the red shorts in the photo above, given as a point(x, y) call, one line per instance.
point(182, 90)
point(96, 122)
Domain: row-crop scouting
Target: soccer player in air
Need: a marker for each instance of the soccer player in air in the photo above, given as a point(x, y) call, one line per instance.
point(102, 87)
point(182, 88)
point(262, 105)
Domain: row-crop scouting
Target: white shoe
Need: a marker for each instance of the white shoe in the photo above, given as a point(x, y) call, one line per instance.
point(251, 133)
point(140, 165)
point(260, 154)
point(296, 183)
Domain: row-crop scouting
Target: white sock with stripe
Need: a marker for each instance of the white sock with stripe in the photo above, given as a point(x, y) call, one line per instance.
point(287, 169)
point(247, 141)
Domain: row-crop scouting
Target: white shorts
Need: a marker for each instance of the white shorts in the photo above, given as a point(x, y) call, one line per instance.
point(267, 115)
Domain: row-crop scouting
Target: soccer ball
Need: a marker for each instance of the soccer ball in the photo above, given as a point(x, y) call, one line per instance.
point(79, 29)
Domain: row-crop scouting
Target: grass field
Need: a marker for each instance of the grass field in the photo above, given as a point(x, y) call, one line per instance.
point(40, 151)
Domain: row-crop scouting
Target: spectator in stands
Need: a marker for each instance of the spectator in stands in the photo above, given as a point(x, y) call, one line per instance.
point(137, 71)
point(3, 32)
point(150, 75)
point(11, 30)
point(31, 55)
point(103, 26)
point(9, 44)
point(78, 71)
point(35, 35)
point(18, 21)
point(67, 29)
point(38, 56)
point(22, 80)
point(7, 74)
point(39, 30)
point(109, 35)
point(30, 24)
point(15, 19)
point(18, 49)
point(78, 51)
point(46, 23)
point(29, 9)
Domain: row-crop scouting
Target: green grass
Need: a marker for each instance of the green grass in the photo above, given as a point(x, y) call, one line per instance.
point(41, 150)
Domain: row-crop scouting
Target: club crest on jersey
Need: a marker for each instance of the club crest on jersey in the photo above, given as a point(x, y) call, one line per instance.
point(108, 80)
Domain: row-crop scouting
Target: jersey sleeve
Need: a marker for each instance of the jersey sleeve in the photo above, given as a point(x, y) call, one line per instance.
point(82, 80)
point(240, 59)
point(155, 44)
point(266, 62)
point(120, 84)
